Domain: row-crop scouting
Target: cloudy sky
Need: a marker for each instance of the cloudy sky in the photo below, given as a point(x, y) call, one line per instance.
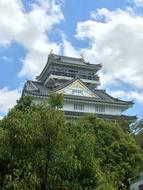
point(106, 31)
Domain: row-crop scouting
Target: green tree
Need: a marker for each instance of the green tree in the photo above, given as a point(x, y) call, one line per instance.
point(41, 150)
point(24, 102)
point(117, 150)
point(31, 134)
point(90, 175)
point(56, 100)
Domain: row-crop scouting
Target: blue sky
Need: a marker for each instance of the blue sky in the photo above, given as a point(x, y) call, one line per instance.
point(106, 31)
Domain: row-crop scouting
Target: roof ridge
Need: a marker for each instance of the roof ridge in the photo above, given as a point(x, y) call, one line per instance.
point(74, 58)
point(34, 81)
point(79, 58)
point(65, 84)
point(100, 90)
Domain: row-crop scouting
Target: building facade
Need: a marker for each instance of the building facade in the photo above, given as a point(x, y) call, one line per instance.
point(78, 81)
point(136, 183)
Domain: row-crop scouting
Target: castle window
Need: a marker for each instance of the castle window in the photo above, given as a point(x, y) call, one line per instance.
point(78, 106)
point(141, 187)
point(72, 71)
point(77, 91)
point(99, 108)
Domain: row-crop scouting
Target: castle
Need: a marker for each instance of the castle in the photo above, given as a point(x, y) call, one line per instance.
point(78, 81)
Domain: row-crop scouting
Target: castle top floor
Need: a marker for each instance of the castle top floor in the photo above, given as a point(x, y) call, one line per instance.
point(69, 67)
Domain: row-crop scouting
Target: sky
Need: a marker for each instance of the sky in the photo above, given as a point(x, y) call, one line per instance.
point(103, 31)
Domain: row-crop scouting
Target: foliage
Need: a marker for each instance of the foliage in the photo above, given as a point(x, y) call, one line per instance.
point(56, 100)
point(41, 150)
point(119, 153)
point(32, 134)
point(24, 103)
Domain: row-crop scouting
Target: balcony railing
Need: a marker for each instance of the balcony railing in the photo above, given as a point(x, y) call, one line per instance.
point(74, 75)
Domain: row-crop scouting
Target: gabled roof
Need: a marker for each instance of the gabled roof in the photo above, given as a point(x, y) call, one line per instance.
point(81, 84)
point(77, 87)
point(99, 93)
point(102, 97)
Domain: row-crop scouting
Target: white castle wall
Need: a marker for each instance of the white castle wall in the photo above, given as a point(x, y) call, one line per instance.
point(136, 185)
point(90, 108)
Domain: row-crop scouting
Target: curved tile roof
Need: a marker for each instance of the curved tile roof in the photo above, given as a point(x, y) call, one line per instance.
point(38, 89)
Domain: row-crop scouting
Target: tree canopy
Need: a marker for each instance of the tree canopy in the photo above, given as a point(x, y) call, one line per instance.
point(40, 149)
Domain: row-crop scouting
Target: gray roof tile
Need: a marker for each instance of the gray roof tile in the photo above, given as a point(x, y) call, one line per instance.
point(38, 89)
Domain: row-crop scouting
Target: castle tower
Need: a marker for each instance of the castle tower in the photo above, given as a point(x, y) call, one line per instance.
point(78, 81)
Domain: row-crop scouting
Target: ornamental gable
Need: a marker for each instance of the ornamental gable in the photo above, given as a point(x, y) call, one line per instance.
point(77, 88)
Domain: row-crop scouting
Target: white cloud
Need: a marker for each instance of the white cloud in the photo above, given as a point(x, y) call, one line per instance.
point(8, 98)
point(130, 95)
point(11, 20)
point(116, 40)
point(68, 49)
point(31, 30)
point(138, 2)
point(35, 60)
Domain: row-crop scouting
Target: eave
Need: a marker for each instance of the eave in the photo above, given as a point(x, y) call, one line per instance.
point(79, 98)
point(101, 116)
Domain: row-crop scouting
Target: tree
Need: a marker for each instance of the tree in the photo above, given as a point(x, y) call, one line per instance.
point(56, 100)
point(41, 150)
point(90, 175)
point(116, 148)
point(38, 151)
point(31, 134)
point(24, 102)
